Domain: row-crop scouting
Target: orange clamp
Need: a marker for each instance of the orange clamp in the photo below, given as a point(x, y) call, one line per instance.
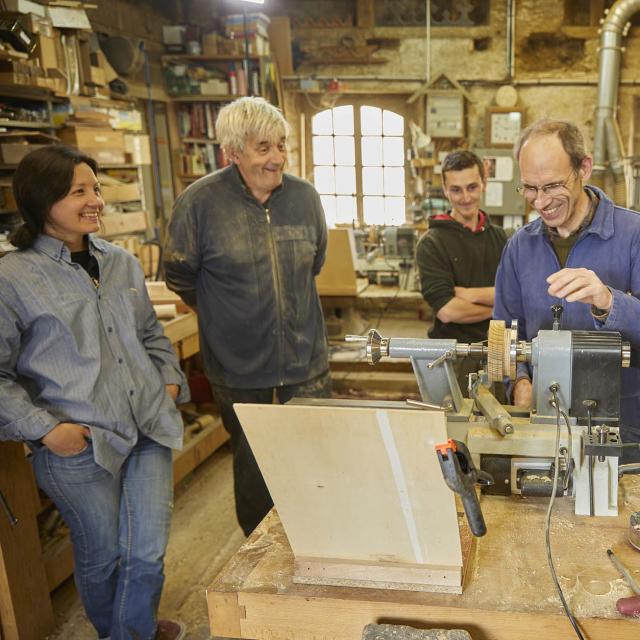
point(444, 448)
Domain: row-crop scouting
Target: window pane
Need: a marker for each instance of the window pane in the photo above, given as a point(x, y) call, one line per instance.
point(371, 151)
point(373, 209)
point(324, 179)
point(322, 123)
point(372, 181)
point(322, 149)
point(343, 120)
point(346, 180)
point(345, 151)
point(394, 211)
point(370, 121)
point(329, 206)
point(345, 209)
point(392, 124)
point(393, 152)
point(393, 181)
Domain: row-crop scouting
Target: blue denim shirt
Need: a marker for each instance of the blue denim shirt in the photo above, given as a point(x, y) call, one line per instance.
point(71, 352)
point(610, 247)
point(250, 270)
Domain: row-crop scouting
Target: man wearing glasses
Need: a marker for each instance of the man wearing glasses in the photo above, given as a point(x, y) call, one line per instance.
point(583, 250)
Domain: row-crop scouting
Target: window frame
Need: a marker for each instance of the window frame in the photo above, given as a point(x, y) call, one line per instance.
point(396, 103)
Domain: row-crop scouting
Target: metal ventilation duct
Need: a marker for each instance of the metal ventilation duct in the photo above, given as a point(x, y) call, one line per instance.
point(607, 147)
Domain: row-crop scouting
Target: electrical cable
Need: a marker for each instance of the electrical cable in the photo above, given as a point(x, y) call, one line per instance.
point(386, 307)
point(570, 464)
point(574, 623)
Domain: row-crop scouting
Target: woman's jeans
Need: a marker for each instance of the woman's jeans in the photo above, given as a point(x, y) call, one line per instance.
point(119, 531)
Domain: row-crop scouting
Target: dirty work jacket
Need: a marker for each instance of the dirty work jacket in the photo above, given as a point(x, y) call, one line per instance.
point(609, 246)
point(250, 271)
point(71, 352)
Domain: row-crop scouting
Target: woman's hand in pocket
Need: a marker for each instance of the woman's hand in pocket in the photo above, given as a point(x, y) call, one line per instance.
point(67, 439)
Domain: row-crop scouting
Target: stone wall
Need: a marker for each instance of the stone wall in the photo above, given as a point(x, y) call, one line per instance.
point(555, 72)
point(556, 64)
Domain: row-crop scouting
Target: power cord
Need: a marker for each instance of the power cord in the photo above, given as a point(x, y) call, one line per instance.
point(556, 405)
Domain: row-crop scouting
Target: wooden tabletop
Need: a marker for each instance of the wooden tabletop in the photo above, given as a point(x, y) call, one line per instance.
point(508, 593)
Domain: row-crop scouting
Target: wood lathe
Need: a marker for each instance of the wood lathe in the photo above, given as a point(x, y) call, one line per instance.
point(576, 386)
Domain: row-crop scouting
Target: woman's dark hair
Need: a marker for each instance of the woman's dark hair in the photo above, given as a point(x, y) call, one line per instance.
point(43, 177)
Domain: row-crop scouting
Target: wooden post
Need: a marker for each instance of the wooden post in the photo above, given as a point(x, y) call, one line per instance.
point(25, 607)
point(365, 14)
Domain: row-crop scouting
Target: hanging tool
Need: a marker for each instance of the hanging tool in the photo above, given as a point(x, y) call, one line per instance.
point(7, 509)
point(461, 476)
point(634, 530)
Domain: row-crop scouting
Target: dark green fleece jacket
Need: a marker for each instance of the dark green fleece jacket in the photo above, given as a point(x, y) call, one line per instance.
point(449, 255)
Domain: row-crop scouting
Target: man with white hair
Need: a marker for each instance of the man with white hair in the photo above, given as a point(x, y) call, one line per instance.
point(244, 246)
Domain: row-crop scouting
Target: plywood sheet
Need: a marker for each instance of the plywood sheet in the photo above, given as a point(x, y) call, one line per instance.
point(338, 275)
point(357, 484)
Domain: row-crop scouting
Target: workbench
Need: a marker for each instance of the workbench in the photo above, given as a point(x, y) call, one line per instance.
point(26, 575)
point(508, 592)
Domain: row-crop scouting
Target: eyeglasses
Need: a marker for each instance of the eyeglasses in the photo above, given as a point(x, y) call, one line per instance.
point(530, 193)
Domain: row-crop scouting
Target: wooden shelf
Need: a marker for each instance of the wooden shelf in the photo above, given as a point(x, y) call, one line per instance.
point(192, 178)
point(58, 562)
point(183, 57)
point(205, 98)
point(117, 166)
point(200, 140)
point(199, 447)
point(27, 124)
point(26, 92)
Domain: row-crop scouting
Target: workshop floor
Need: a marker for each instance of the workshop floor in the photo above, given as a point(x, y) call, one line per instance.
point(204, 535)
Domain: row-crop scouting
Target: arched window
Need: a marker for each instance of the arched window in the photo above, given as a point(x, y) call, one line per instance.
point(358, 164)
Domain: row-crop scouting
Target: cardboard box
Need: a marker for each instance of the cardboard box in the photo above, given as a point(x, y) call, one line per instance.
point(22, 73)
point(123, 192)
point(137, 148)
point(210, 44)
point(38, 25)
point(13, 152)
point(237, 23)
point(15, 145)
point(104, 156)
point(120, 223)
point(104, 145)
point(7, 199)
point(25, 6)
point(58, 83)
point(47, 52)
point(92, 137)
point(98, 76)
point(125, 119)
point(7, 77)
point(69, 17)
point(214, 87)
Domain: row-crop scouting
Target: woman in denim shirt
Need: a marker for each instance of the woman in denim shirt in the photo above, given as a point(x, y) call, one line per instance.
point(89, 381)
